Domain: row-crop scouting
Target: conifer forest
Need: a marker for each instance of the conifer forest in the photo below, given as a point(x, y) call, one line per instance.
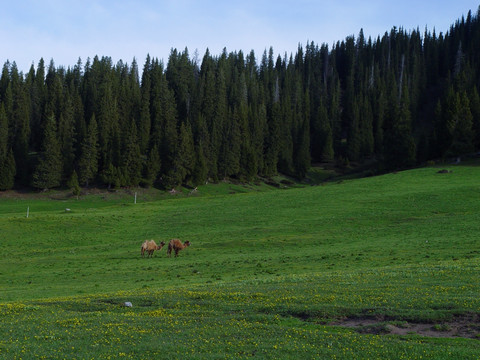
point(395, 101)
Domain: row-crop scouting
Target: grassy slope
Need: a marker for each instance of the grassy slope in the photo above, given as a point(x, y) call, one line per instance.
point(401, 245)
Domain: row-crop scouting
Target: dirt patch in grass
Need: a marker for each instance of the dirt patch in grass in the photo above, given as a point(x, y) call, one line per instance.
point(465, 326)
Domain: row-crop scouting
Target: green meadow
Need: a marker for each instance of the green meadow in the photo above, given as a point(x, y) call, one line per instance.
point(344, 270)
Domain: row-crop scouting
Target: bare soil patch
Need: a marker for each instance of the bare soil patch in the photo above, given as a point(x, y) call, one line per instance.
point(465, 326)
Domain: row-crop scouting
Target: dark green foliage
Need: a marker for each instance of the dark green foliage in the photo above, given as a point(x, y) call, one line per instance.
point(66, 136)
point(302, 149)
point(153, 165)
point(400, 100)
point(461, 122)
point(48, 172)
point(88, 162)
point(321, 136)
point(475, 109)
point(400, 148)
point(200, 170)
point(132, 160)
point(8, 171)
point(3, 132)
point(186, 153)
point(7, 161)
point(73, 184)
point(111, 176)
point(18, 114)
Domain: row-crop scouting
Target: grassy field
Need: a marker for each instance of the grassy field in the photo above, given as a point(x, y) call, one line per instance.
point(347, 270)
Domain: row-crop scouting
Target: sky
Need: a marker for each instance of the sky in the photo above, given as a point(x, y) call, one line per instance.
point(66, 30)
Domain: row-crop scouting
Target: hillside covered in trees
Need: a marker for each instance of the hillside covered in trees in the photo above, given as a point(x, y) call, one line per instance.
point(397, 101)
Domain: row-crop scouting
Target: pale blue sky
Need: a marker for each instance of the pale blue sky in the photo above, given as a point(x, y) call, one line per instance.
point(66, 30)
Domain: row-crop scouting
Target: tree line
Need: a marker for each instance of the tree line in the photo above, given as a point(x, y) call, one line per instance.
point(397, 100)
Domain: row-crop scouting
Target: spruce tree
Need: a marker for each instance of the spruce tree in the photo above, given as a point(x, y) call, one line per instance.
point(145, 122)
point(353, 138)
point(462, 134)
point(201, 146)
point(208, 100)
point(3, 133)
point(19, 124)
point(112, 176)
point(179, 74)
point(200, 169)
point(230, 147)
point(54, 92)
point(8, 104)
point(218, 128)
point(169, 140)
point(66, 135)
point(327, 151)
point(7, 160)
point(400, 148)
point(186, 155)
point(366, 128)
point(80, 125)
point(451, 117)
point(132, 161)
point(475, 109)
point(380, 105)
point(287, 118)
point(152, 166)
point(48, 172)
point(108, 128)
point(272, 141)
point(8, 171)
point(38, 96)
point(322, 136)
point(334, 114)
point(73, 184)
point(258, 126)
point(88, 162)
point(302, 150)
point(439, 132)
point(316, 133)
point(4, 80)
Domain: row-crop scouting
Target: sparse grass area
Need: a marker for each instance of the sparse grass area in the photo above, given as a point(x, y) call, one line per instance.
point(267, 273)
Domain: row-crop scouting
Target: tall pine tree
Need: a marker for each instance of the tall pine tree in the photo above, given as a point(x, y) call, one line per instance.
point(7, 160)
point(48, 172)
point(88, 162)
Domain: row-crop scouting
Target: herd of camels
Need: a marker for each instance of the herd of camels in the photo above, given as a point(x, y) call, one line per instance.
point(149, 247)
